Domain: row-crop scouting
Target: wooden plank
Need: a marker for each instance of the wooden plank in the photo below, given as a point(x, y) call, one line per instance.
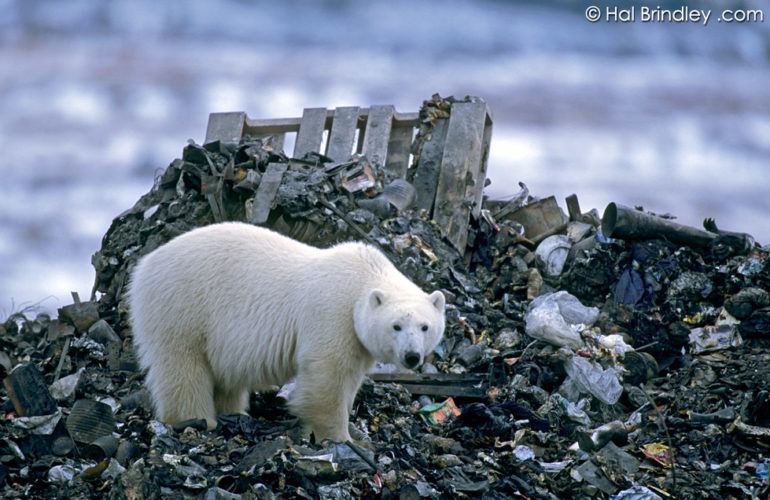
point(456, 391)
point(343, 133)
point(478, 187)
point(399, 148)
point(429, 166)
point(271, 125)
point(280, 125)
point(225, 127)
point(268, 188)
point(469, 385)
point(310, 132)
point(460, 168)
point(433, 378)
point(377, 134)
point(211, 187)
point(573, 207)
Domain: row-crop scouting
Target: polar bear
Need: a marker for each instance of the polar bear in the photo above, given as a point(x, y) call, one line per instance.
point(231, 308)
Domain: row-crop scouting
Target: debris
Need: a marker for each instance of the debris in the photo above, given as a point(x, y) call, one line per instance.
point(589, 377)
point(557, 318)
point(358, 176)
point(609, 469)
point(81, 315)
point(465, 385)
point(103, 333)
point(64, 388)
point(552, 254)
point(61, 473)
point(101, 448)
point(614, 431)
point(762, 433)
point(636, 493)
point(712, 338)
point(470, 354)
point(39, 424)
point(619, 221)
point(28, 392)
point(126, 452)
point(258, 211)
point(658, 452)
point(537, 217)
point(89, 420)
point(628, 361)
point(436, 413)
point(399, 195)
point(746, 301)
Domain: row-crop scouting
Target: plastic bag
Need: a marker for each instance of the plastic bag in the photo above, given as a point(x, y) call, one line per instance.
point(589, 377)
point(555, 317)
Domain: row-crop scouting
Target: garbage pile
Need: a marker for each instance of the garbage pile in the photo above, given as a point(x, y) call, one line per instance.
point(622, 356)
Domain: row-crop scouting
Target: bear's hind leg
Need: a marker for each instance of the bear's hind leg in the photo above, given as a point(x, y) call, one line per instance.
point(230, 400)
point(183, 389)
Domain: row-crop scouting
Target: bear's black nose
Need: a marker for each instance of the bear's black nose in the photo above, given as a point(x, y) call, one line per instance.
point(411, 359)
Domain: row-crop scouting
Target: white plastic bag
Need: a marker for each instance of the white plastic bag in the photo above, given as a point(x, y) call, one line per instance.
point(589, 377)
point(557, 317)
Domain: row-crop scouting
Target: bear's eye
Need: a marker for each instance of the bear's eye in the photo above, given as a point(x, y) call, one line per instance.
point(424, 328)
point(397, 327)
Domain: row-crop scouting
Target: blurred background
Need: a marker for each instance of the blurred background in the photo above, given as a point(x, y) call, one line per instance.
point(98, 96)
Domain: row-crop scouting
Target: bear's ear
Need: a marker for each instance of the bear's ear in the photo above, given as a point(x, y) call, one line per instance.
point(438, 300)
point(376, 298)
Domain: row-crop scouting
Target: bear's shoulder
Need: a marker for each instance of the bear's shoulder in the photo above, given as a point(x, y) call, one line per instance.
point(371, 264)
point(363, 255)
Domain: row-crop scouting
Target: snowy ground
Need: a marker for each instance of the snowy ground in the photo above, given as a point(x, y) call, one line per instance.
point(96, 97)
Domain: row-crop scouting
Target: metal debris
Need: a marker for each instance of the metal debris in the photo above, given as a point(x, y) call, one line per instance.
point(619, 397)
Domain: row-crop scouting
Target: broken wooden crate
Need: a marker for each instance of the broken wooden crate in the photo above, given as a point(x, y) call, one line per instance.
point(448, 178)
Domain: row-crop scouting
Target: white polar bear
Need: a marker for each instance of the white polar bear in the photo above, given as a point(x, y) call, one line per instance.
point(232, 308)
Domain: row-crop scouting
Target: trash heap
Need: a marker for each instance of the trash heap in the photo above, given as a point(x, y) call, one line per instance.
point(622, 356)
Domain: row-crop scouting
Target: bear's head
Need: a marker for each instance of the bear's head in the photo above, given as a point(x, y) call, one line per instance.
point(400, 329)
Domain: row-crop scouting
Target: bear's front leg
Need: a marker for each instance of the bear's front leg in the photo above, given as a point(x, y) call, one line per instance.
point(322, 401)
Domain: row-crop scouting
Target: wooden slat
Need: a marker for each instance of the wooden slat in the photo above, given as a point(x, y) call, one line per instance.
point(481, 177)
point(460, 168)
point(432, 378)
point(377, 134)
point(343, 133)
point(271, 125)
point(573, 207)
point(469, 385)
point(446, 390)
point(449, 179)
point(225, 127)
point(429, 166)
point(399, 147)
point(310, 132)
point(213, 184)
point(276, 125)
point(232, 128)
point(268, 188)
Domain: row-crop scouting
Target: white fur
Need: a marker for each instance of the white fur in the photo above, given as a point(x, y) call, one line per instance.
point(232, 308)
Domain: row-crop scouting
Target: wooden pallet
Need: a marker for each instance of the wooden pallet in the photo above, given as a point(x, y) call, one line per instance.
point(449, 177)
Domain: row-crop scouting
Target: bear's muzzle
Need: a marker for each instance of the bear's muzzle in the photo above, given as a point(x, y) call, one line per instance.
point(412, 359)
